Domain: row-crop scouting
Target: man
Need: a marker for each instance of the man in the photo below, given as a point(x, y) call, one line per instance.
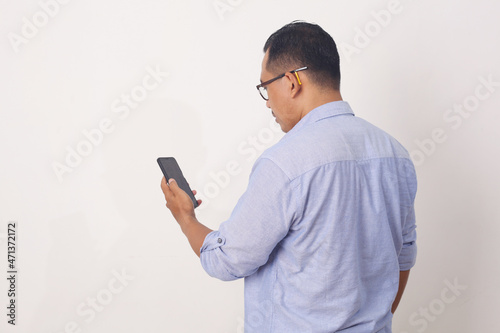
point(324, 235)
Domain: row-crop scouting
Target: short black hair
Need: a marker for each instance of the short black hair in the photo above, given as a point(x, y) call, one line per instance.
point(299, 44)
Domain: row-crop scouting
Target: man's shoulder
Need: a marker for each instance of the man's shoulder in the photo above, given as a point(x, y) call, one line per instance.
point(346, 138)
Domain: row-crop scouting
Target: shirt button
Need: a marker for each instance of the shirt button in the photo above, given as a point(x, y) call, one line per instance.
point(219, 240)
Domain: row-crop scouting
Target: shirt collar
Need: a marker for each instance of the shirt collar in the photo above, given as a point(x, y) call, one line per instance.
point(327, 110)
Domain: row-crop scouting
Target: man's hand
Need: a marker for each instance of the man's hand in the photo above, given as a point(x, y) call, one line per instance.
point(182, 209)
point(178, 201)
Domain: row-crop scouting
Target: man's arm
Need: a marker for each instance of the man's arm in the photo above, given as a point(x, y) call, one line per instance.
point(403, 279)
point(195, 233)
point(182, 209)
point(259, 221)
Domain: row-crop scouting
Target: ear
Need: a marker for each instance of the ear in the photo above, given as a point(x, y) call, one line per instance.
point(292, 84)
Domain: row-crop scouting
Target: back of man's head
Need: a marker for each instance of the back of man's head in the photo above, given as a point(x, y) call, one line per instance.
point(300, 44)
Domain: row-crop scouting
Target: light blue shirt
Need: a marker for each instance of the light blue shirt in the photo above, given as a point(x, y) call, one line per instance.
point(323, 229)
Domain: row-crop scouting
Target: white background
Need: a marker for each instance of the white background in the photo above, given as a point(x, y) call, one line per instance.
point(407, 73)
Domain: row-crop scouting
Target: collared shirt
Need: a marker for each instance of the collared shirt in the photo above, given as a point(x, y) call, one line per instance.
point(323, 228)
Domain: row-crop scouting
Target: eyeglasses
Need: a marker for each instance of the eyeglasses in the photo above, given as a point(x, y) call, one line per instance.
point(262, 87)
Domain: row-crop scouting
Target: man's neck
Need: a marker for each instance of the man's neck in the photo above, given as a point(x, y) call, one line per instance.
point(319, 99)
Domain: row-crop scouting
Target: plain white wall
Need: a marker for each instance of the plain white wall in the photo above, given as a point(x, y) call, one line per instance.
point(417, 69)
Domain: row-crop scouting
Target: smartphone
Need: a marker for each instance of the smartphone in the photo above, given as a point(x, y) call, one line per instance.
point(171, 169)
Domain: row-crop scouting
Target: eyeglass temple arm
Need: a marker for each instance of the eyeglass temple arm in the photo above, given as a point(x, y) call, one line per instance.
point(297, 75)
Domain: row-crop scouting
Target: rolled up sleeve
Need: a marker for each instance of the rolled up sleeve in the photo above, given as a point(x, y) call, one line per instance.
point(408, 254)
point(259, 221)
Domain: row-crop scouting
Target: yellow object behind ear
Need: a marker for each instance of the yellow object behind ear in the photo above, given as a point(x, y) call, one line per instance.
point(297, 75)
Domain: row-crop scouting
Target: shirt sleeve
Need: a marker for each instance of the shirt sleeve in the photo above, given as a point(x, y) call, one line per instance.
point(408, 255)
point(259, 221)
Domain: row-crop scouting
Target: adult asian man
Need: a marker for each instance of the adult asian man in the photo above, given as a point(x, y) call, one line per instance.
point(325, 234)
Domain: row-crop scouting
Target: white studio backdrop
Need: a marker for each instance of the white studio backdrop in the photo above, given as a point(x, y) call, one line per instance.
point(92, 92)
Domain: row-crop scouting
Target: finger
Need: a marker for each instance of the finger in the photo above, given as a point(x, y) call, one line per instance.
point(163, 183)
point(199, 202)
point(194, 192)
point(165, 188)
point(172, 184)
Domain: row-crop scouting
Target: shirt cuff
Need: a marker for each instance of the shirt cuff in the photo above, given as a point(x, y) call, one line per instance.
point(211, 257)
point(212, 241)
point(408, 256)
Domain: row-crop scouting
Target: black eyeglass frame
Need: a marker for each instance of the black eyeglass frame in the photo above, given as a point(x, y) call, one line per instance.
point(263, 84)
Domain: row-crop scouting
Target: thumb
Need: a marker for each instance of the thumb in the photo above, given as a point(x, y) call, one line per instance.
point(174, 187)
point(173, 184)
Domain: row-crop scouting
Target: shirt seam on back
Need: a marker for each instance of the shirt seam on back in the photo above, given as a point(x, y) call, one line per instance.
point(336, 161)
